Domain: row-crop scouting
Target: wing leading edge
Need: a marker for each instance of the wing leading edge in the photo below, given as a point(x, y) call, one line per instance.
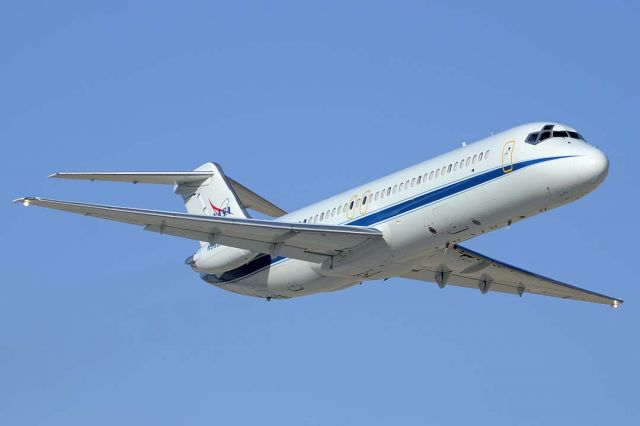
point(462, 267)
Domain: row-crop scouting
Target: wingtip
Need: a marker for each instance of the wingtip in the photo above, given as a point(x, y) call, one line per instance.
point(54, 175)
point(615, 303)
point(25, 201)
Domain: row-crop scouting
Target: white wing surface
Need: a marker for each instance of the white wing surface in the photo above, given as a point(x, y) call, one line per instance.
point(311, 242)
point(462, 267)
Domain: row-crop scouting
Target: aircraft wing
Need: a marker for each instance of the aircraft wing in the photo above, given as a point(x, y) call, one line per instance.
point(310, 242)
point(462, 267)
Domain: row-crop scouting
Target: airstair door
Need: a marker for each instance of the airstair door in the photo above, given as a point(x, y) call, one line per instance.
point(507, 156)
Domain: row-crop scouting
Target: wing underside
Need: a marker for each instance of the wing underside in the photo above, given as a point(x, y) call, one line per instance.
point(310, 242)
point(462, 267)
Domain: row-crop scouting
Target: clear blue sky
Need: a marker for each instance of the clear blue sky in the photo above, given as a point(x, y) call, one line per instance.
point(102, 323)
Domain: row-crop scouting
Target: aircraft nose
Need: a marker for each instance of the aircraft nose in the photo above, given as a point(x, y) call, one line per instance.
point(596, 166)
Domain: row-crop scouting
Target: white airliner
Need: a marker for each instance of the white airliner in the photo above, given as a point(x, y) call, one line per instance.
point(407, 224)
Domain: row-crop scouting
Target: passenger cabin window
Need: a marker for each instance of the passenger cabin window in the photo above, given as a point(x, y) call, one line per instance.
point(475, 157)
point(321, 216)
point(395, 188)
point(400, 189)
point(419, 180)
point(339, 210)
point(480, 157)
point(486, 154)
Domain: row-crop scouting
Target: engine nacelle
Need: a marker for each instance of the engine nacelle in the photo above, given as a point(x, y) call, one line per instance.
point(215, 259)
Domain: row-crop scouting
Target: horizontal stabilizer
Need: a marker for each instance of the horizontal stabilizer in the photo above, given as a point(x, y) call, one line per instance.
point(166, 178)
point(253, 201)
point(248, 198)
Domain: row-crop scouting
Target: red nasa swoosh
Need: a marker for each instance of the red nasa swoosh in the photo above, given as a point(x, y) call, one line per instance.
point(215, 209)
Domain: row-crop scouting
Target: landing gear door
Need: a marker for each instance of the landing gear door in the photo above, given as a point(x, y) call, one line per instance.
point(507, 156)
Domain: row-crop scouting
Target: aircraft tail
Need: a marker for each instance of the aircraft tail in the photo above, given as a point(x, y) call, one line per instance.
point(213, 196)
point(205, 191)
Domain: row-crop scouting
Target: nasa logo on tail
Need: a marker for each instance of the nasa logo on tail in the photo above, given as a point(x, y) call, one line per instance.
point(223, 210)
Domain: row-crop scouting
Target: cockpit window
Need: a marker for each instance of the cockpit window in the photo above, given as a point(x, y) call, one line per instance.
point(536, 137)
point(576, 135)
point(532, 138)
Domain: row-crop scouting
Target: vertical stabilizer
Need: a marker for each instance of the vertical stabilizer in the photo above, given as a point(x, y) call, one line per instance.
point(213, 196)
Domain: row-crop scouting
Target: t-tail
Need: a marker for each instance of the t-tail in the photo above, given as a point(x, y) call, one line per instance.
point(205, 190)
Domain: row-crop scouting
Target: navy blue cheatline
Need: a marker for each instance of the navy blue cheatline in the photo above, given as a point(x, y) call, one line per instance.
point(264, 260)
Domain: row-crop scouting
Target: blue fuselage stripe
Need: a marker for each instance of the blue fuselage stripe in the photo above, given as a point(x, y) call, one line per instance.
point(438, 194)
